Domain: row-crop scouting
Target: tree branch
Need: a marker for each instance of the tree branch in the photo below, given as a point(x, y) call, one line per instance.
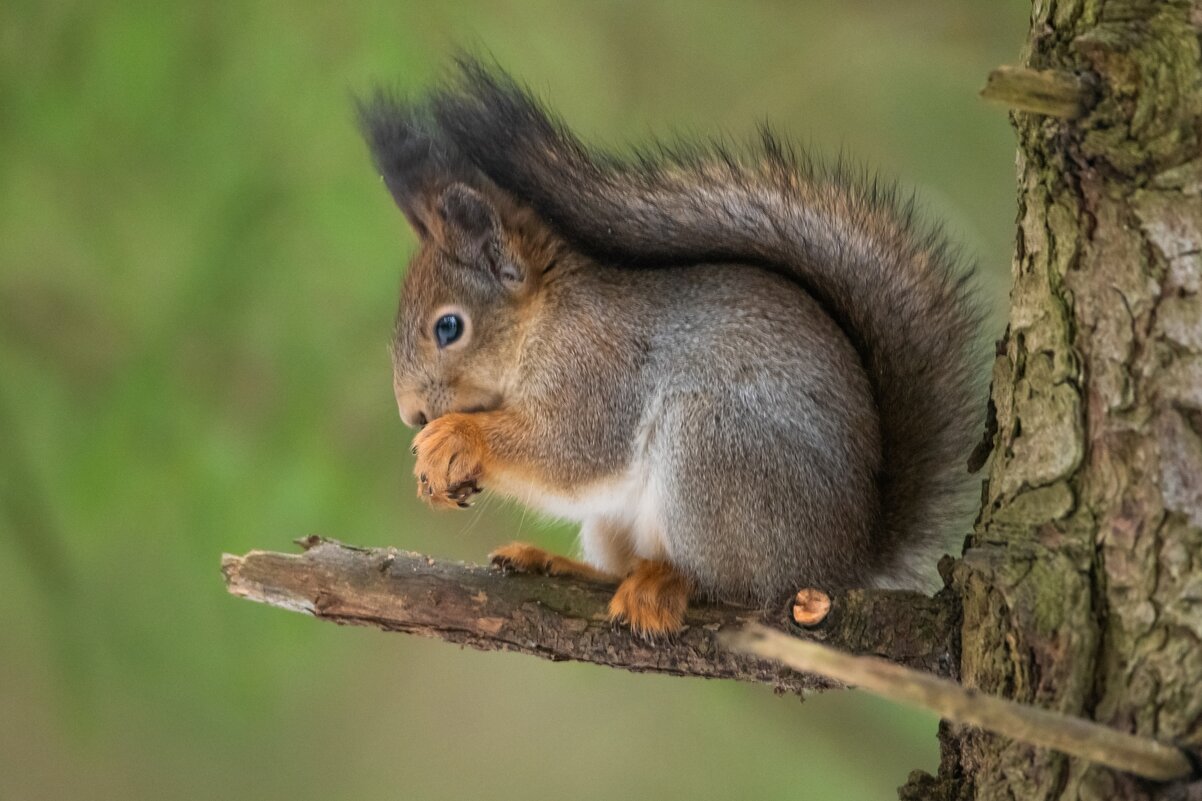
point(1029, 724)
point(562, 619)
point(1048, 92)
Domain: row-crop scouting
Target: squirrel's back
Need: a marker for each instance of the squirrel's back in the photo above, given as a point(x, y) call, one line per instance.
point(894, 288)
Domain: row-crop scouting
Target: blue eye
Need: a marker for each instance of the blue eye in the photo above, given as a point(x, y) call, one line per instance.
point(448, 329)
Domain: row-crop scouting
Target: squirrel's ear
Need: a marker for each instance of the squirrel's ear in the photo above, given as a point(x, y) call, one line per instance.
point(472, 232)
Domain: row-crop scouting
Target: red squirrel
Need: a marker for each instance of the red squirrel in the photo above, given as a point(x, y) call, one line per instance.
point(741, 374)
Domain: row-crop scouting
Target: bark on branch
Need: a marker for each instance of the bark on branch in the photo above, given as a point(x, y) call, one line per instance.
point(561, 619)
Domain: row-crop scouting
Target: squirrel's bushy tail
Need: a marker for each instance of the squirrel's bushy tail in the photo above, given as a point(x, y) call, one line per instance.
point(895, 289)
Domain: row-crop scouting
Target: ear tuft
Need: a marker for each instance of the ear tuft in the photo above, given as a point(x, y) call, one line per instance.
point(414, 163)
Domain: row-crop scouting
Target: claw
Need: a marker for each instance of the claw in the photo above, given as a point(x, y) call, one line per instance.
point(463, 491)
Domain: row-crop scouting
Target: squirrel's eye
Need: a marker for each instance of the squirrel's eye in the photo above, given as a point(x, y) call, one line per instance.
point(448, 329)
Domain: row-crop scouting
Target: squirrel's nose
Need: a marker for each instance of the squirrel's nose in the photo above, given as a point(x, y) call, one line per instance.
point(412, 414)
point(415, 419)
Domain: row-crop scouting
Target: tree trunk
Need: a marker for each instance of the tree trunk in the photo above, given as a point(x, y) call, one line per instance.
point(1082, 584)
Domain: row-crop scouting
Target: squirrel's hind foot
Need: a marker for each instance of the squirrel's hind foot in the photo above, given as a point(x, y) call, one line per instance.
point(652, 600)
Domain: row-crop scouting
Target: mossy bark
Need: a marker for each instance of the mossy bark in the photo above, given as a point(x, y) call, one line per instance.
point(1082, 584)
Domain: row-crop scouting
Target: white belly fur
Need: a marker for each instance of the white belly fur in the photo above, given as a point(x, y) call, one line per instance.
point(623, 510)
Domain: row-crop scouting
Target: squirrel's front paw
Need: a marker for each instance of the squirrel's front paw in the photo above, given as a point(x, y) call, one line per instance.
point(451, 456)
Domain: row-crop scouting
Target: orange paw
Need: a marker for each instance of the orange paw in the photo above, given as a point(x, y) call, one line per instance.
point(451, 457)
point(522, 557)
point(652, 600)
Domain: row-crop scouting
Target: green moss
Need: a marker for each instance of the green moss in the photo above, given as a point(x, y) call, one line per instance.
point(1039, 505)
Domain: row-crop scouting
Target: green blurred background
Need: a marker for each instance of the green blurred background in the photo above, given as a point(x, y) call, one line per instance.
point(198, 272)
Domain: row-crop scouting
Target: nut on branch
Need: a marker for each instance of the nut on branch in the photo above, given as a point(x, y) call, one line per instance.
point(810, 607)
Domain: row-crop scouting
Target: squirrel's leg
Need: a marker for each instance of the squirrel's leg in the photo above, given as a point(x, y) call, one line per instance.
point(458, 452)
point(461, 453)
point(652, 599)
point(525, 558)
point(606, 547)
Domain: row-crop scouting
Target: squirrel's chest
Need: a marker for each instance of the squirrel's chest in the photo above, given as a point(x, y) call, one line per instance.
point(618, 497)
point(627, 506)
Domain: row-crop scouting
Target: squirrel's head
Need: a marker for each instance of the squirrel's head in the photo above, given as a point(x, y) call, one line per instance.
point(474, 280)
point(464, 301)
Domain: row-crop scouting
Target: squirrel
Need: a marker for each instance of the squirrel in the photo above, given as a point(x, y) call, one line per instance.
point(740, 375)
